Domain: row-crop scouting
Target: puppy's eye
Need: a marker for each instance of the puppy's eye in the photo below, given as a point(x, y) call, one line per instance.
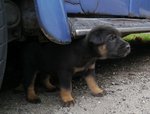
point(112, 38)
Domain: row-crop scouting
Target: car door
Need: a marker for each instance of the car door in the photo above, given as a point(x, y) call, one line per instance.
point(103, 7)
point(130, 8)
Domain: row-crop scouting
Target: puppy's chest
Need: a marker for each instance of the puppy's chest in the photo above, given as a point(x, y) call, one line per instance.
point(90, 65)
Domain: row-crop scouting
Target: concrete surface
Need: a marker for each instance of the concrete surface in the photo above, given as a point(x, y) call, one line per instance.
point(127, 82)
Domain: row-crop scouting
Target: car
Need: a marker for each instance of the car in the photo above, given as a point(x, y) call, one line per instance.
point(61, 21)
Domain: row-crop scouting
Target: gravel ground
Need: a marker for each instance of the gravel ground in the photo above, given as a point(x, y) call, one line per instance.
point(127, 82)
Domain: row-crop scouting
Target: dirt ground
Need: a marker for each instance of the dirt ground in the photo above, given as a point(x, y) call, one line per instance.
point(127, 82)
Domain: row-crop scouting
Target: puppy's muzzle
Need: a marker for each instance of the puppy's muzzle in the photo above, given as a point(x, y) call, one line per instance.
point(128, 49)
point(124, 50)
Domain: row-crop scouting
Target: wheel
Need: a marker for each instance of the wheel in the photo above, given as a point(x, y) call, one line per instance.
point(3, 41)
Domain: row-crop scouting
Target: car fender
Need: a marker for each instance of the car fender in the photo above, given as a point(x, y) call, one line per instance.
point(53, 20)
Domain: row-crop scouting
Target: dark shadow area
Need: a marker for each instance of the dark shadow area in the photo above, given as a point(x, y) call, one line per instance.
point(13, 69)
point(12, 74)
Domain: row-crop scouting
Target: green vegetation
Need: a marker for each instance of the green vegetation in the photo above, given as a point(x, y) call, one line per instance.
point(144, 37)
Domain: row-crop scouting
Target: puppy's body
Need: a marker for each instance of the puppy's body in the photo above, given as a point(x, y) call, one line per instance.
point(52, 58)
point(63, 61)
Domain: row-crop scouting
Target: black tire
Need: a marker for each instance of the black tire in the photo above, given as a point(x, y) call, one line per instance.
point(3, 41)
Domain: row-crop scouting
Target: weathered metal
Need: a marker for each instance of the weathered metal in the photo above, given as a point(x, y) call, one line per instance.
point(81, 26)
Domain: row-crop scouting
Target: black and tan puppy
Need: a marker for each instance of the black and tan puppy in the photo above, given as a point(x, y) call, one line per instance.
point(63, 61)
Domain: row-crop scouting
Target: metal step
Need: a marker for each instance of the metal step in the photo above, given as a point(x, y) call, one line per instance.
point(81, 26)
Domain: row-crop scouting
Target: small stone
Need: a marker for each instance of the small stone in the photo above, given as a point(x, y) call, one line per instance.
point(85, 109)
point(123, 99)
point(131, 73)
point(114, 73)
point(83, 97)
point(119, 89)
point(112, 91)
point(124, 82)
point(143, 101)
point(113, 83)
point(114, 111)
point(147, 97)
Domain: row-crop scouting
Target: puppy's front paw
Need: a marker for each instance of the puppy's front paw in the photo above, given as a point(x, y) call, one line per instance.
point(69, 103)
point(34, 101)
point(66, 97)
point(100, 94)
point(33, 98)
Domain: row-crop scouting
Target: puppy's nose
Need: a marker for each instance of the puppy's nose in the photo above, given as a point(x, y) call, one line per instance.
point(127, 47)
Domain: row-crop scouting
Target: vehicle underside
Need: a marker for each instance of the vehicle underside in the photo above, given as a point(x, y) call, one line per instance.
point(63, 21)
point(23, 20)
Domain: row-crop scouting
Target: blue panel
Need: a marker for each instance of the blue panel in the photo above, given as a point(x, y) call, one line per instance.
point(89, 6)
point(53, 20)
point(140, 8)
point(73, 1)
point(73, 8)
point(108, 7)
point(114, 7)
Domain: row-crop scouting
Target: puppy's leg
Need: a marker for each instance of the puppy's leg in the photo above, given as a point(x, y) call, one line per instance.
point(48, 85)
point(19, 88)
point(65, 79)
point(90, 80)
point(28, 82)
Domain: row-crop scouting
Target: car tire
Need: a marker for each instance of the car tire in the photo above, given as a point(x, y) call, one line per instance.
point(3, 41)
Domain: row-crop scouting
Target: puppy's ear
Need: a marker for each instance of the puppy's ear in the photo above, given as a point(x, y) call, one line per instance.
point(94, 37)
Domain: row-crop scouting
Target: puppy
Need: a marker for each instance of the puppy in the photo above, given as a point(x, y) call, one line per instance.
point(63, 61)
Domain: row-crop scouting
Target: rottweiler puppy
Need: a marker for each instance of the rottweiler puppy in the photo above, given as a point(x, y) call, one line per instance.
point(63, 61)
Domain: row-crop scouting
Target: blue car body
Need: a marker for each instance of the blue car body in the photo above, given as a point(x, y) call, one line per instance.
point(52, 14)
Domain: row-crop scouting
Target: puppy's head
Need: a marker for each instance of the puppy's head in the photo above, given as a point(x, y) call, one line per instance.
point(106, 42)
